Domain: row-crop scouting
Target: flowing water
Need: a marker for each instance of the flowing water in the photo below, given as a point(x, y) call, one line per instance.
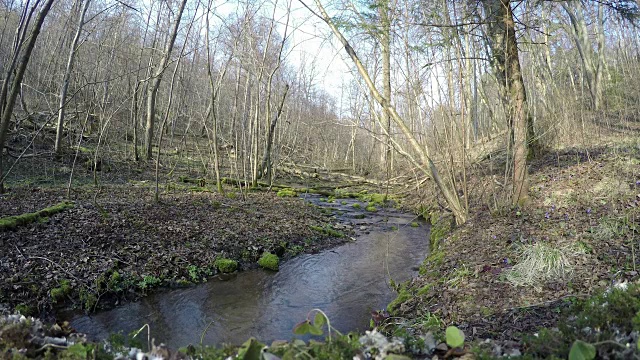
point(346, 282)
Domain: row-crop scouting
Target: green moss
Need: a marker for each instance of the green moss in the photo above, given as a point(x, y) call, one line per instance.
point(61, 291)
point(359, 216)
point(269, 261)
point(441, 226)
point(415, 224)
point(425, 290)
point(26, 310)
point(12, 222)
point(327, 229)
point(403, 296)
point(373, 198)
point(288, 192)
point(371, 208)
point(356, 206)
point(226, 265)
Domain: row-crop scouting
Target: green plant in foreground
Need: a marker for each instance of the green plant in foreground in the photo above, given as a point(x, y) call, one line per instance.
point(193, 272)
point(226, 265)
point(61, 291)
point(269, 261)
point(149, 281)
point(454, 337)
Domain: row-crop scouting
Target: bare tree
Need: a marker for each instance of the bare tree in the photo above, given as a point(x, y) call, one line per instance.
point(152, 91)
point(23, 45)
point(82, 8)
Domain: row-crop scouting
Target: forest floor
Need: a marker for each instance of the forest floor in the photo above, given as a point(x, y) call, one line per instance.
point(509, 273)
point(117, 244)
point(531, 280)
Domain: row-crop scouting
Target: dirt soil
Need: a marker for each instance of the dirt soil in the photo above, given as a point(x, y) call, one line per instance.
point(586, 203)
point(117, 244)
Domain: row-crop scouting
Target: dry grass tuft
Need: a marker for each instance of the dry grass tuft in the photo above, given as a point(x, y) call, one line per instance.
point(541, 263)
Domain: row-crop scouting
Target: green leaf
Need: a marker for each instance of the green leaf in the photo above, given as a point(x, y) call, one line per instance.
point(581, 350)
point(250, 350)
point(78, 351)
point(303, 328)
point(269, 356)
point(396, 357)
point(455, 337)
point(313, 330)
point(319, 320)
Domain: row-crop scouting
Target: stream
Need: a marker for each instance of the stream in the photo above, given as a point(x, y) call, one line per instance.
point(347, 282)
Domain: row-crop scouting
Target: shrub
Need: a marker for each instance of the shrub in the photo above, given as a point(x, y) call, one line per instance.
point(269, 261)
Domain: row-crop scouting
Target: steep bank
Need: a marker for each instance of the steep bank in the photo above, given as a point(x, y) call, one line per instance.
point(510, 272)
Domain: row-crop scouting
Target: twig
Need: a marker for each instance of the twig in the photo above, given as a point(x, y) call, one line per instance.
point(54, 263)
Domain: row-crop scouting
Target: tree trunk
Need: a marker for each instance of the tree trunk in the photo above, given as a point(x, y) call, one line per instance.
point(7, 109)
point(266, 160)
point(426, 164)
point(67, 74)
point(152, 91)
point(504, 47)
point(592, 71)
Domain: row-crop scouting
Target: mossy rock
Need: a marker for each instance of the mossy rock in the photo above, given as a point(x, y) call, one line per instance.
point(269, 261)
point(226, 265)
point(371, 208)
point(288, 192)
point(415, 224)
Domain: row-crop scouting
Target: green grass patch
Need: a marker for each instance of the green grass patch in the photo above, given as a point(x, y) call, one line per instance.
point(13, 222)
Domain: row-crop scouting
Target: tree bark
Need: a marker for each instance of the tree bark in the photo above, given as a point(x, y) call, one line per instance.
point(67, 73)
point(9, 103)
point(152, 91)
point(504, 47)
point(592, 63)
point(427, 165)
point(266, 160)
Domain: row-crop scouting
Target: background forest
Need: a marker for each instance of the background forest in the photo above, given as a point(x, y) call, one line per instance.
point(230, 90)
